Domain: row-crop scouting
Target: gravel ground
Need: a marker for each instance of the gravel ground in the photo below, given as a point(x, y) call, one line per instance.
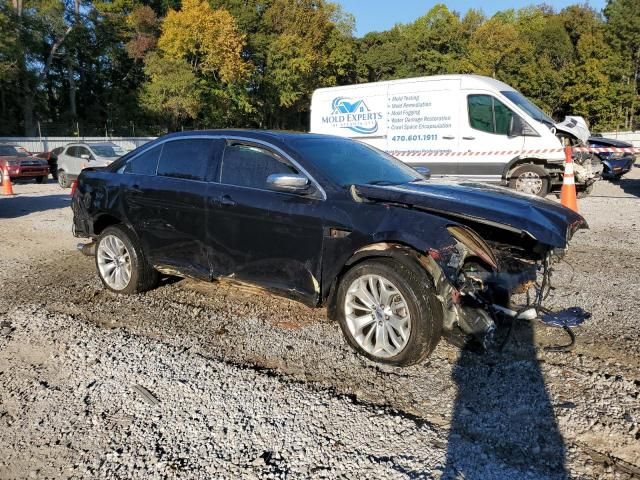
point(246, 385)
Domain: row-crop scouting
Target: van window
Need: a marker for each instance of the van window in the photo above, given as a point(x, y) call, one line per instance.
point(146, 163)
point(248, 165)
point(187, 159)
point(488, 114)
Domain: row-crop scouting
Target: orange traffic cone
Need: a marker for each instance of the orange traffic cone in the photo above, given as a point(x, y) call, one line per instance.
point(568, 193)
point(7, 188)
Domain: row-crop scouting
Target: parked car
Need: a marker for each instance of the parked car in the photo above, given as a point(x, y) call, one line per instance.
point(52, 158)
point(466, 126)
point(615, 164)
point(21, 166)
point(77, 156)
point(328, 221)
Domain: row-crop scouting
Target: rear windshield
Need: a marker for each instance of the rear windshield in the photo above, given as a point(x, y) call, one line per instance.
point(107, 150)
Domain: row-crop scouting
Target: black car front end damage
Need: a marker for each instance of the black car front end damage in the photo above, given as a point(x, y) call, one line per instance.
point(496, 250)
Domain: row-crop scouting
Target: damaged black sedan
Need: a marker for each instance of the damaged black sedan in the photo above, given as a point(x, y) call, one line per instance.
point(397, 260)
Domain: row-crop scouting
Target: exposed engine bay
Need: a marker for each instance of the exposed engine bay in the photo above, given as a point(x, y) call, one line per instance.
point(487, 277)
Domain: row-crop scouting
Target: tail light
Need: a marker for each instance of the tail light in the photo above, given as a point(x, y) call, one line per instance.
point(74, 187)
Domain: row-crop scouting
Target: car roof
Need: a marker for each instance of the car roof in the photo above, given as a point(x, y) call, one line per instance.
point(265, 135)
point(91, 144)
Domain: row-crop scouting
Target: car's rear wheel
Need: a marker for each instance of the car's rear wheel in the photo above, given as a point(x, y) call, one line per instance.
point(531, 179)
point(388, 312)
point(121, 263)
point(63, 179)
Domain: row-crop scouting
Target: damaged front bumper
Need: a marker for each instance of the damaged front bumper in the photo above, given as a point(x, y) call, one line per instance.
point(479, 298)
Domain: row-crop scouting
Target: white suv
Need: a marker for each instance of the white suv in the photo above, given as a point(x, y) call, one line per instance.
point(77, 156)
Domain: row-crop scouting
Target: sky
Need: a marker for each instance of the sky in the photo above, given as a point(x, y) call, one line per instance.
point(372, 15)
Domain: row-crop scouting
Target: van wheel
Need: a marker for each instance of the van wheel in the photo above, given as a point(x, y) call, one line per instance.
point(531, 179)
point(121, 263)
point(63, 180)
point(389, 313)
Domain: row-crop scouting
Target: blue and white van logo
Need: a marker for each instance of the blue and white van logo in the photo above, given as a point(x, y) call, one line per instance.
point(352, 114)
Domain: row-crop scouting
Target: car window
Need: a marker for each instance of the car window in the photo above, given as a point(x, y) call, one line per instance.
point(71, 151)
point(8, 151)
point(188, 159)
point(145, 163)
point(248, 165)
point(57, 151)
point(83, 151)
point(488, 114)
point(108, 150)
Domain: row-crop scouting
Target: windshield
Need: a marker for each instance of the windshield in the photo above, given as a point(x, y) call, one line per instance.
point(348, 162)
point(107, 150)
point(10, 151)
point(529, 107)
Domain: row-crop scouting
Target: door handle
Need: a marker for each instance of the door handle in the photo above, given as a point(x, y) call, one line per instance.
point(449, 137)
point(227, 201)
point(468, 138)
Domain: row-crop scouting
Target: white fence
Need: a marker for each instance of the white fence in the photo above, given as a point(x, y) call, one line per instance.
point(631, 137)
point(45, 144)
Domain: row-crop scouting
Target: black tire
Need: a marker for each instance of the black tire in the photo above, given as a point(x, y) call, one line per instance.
point(424, 308)
point(143, 276)
point(41, 179)
point(63, 180)
point(536, 172)
point(584, 193)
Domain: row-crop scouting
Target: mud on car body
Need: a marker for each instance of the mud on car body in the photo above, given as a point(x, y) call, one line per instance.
point(328, 221)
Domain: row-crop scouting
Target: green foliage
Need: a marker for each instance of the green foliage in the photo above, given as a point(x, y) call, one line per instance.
point(173, 90)
point(255, 63)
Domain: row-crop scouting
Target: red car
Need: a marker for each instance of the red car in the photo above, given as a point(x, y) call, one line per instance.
point(21, 165)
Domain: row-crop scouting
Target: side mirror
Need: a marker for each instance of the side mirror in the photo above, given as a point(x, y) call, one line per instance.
point(85, 156)
point(288, 182)
point(424, 171)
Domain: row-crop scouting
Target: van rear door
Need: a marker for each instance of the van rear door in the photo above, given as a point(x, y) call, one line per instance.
point(486, 146)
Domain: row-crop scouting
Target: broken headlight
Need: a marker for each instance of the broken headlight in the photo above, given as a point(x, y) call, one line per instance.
point(474, 243)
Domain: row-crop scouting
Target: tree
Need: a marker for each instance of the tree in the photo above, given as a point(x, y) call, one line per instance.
point(623, 29)
point(173, 90)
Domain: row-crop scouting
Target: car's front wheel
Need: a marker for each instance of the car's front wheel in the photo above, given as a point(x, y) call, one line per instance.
point(531, 179)
point(389, 312)
point(121, 263)
point(41, 179)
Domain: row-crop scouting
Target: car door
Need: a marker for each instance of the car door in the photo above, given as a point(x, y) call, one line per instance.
point(261, 236)
point(486, 146)
point(83, 159)
point(165, 195)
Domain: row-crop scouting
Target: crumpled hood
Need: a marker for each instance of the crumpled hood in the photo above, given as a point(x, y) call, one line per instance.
point(576, 126)
point(609, 142)
point(544, 220)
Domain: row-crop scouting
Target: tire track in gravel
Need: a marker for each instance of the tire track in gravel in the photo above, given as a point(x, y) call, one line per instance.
point(280, 337)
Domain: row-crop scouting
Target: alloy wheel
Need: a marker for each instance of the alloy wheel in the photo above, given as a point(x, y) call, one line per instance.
point(377, 316)
point(114, 262)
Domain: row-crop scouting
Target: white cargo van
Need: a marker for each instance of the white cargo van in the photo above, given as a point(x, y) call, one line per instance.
point(458, 125)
